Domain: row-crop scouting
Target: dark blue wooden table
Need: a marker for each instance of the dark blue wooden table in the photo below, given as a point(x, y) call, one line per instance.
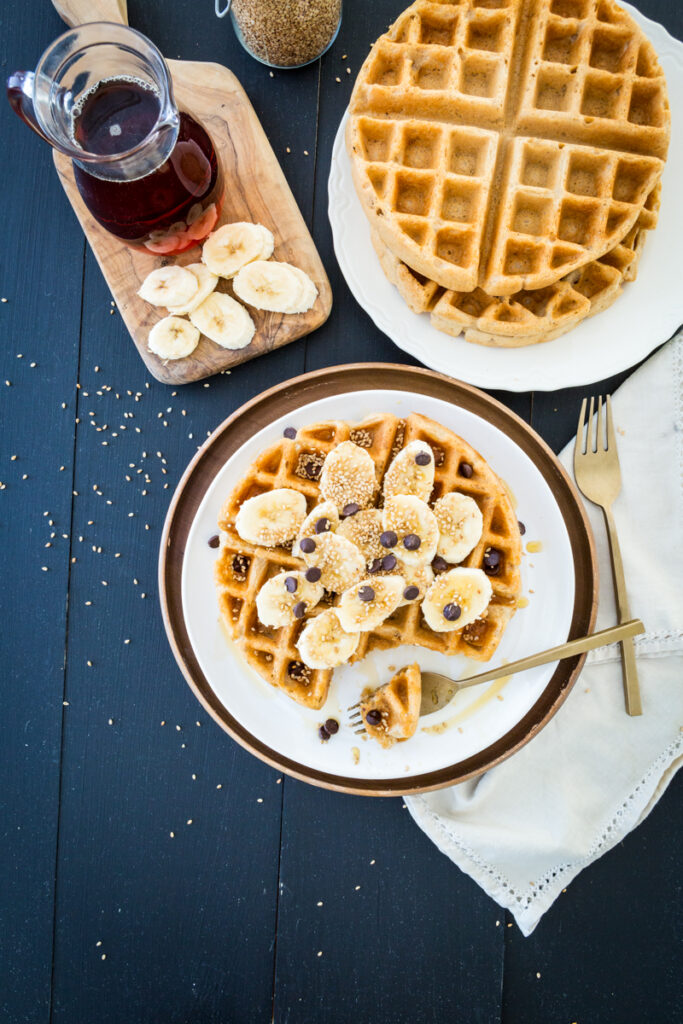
point(151, 870)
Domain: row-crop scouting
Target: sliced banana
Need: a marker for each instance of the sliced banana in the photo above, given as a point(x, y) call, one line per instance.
point(321, 519)
point(324, 644)
point(411, 472)
point(456, 598)
point(224, 321)
point(206, 281)
point(271, 518)
point(173, 338)
point(415, 527)
point(267, 284)
point(460, 526)
point(367, 604)
point(287, 597)
point(340, 562)
point(364, 530)
point(310, 292)
point(230, 248)
point(348, 477)
point(169, 286)
point(417, 581)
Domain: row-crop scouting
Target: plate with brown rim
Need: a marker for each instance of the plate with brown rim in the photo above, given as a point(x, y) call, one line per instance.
point(482, 726)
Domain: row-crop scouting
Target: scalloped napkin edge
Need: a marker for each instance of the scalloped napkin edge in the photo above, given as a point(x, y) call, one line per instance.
point(526, 828)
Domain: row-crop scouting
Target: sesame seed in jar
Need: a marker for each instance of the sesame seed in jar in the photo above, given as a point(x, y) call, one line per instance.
point(286, 33)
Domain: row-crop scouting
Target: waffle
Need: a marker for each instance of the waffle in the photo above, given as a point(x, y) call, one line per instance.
point(242, 567)
point(398, 702)
point(501, 144)
point(528, 317)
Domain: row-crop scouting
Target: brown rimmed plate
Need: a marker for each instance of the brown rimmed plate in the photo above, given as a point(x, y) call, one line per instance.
point(573, 574)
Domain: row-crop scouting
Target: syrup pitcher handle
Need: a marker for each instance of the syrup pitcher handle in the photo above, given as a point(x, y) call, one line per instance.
point(219, 13)
point(20, 96)
point(78, 12)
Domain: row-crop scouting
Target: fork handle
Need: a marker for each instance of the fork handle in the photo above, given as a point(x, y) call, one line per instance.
point(628, 653)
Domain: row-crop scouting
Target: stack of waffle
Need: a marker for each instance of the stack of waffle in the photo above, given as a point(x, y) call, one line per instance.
point(508, 155)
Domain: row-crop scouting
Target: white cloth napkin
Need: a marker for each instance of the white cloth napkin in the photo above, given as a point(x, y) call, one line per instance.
point(526, 828)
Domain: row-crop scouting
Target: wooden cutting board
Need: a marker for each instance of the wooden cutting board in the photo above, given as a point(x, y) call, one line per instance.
point(255, 190)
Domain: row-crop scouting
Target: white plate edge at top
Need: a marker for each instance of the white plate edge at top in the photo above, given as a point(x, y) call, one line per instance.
point(579, 357)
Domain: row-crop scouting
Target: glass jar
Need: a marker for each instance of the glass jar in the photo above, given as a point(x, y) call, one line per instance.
point(284, 33)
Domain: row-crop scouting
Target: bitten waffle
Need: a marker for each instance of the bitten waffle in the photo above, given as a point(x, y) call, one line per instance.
point(502, 145)
point(528, 317)
point(295, 463)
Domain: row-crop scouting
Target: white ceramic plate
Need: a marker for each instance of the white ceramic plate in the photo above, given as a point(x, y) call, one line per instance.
point(484, 714)
point(648, 311)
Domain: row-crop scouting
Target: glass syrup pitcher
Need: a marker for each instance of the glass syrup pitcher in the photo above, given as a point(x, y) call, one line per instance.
point(146, 170)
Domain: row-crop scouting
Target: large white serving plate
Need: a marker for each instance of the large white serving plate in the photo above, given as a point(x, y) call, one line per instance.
point(649, 310)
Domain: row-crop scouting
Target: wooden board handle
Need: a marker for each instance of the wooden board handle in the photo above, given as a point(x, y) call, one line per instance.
point(78, 12)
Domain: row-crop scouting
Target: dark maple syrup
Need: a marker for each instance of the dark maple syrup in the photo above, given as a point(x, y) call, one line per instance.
point(167, 210)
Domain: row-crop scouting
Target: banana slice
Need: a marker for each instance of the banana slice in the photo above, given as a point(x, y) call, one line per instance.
point(223, 320)
point(321, 519)
point(348, 477)
point(456, 598)
point(206, 281)
point(324, 644)
point(169, 286)
point(287, 597)
point(310, 292)
point(411, 472)
point(173, 338)
point(234, 245)
point(411, 529)
point(364, 529)
point(271, 518)
point(340, 562)
point(367, 604)
point(267, 284)
point(417, 581)
point(460, 526)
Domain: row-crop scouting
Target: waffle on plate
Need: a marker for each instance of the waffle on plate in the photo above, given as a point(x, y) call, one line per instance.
point(502, 144)
point(320, 577)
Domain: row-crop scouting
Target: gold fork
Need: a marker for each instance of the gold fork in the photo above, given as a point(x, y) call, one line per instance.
point(597, 472)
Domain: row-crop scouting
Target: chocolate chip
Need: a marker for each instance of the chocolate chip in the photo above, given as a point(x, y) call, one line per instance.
point(350, 509)
point(439, 564)
point(240, 564)
point(452, 612)
point(373, 716)
point(214, 541)
point(322, 525)
point(289, 432)
point(389, 562)
point(423, 458)
point(411, 542)
point(323, 733)
point(465, 470)
point(291, 583)
point(299, 672)
point(313, 574)
point(307, 545)
point(388, 539)
point(299, 609)
point(522, 528)
point(332, 726)
point(375, 566)
point(311, 470)
point(410, 593)
point(366, 593)
point(492, 560)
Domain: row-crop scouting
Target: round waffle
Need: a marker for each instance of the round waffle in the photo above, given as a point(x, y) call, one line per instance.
point(502, 144)
point(242, 568)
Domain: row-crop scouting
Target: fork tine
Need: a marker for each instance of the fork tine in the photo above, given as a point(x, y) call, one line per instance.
point(611, 438)
point(589, 432)
point(600, 440)
point(358, 732)
point(578, 444)
point(354, 706)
